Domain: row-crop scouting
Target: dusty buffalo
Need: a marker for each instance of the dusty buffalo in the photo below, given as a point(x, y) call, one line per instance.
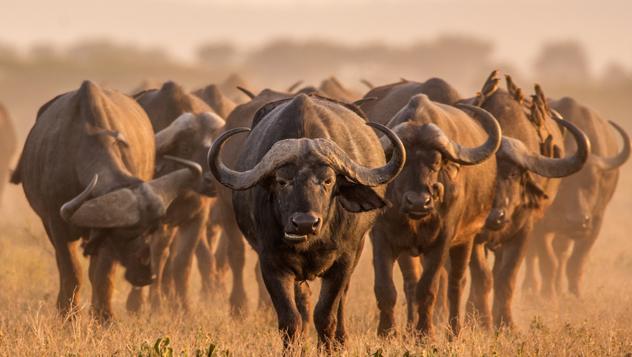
point(529, 164)
point(440, 202)
point(85, 168)
point(192, 126)
point(332, 88)
point(391, 98)
point(216, 99)
point(580, 203)
point(308, 187)
point(8, 145)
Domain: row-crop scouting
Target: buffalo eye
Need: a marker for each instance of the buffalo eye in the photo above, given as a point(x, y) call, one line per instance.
point(328, 181)
point(282, 182)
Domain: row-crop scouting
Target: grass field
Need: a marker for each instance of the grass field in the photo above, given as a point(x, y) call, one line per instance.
point(599, 324)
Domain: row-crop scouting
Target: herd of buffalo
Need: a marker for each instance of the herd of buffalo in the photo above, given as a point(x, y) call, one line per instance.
point(438, 183)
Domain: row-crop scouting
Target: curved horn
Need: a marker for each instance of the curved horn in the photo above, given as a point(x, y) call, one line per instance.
point(473, 156)
point(291, 88)
point(290, 149)
point(610, 163)
point(68, 209)
point(246, 92)
point(367, 83)
point(193, 166)
point(361, 101)
point(166, 137)
point(144, 204)
point(544, 166)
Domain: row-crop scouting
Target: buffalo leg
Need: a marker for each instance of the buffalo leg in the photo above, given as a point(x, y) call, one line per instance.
point(281, 289)
point(505, 274)
point(221, 265)
point(67, 265)
point(561, 246)
point(135, 299)
point(481, 287)
point(411, 271)
point(302, 295)
point(341, 331)
point(384, 288)
point(189, 234)
point(530, 283)
point(459, 261)
point(335, 282)
point(577, 264)
point(264, 297)
point(101, 272)
point(161, 240)
point(204, 258)
point(548, 265)
point(236, 249)
point(429, 284)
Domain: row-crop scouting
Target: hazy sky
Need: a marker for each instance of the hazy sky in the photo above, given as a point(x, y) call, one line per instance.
point(516, 27)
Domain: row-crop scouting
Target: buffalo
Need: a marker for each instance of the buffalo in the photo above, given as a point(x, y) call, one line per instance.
point(439, 203)
point(192, 126)
point(529, 164)
point(8, 145)
point(85, 169)
point(580, 203)
point(390, 98)
point(307, 187)
point(216, 99)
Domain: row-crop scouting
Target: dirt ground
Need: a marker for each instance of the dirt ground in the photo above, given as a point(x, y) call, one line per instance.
point(598, 324)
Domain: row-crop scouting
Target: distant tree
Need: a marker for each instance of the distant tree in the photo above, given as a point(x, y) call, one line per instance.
point(615, 73)
point(563, 62)
point(217, 54)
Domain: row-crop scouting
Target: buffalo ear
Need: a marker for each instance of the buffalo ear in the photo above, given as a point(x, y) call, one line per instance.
point(534, 193)
point(358, 198)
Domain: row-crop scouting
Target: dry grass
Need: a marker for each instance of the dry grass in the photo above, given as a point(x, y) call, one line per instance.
point(599, 324)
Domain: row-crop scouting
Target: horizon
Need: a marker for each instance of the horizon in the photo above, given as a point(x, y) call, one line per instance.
point(180, 30)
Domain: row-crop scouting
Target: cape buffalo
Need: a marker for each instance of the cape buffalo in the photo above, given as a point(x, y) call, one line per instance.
point(216, 99)
point(8, 145)
point(440, 202)
point(192, 125)
point(308, 187)
point(528, 163)
point(391, 98)
point(229, 87)
point(84, 169)
point(580, 203)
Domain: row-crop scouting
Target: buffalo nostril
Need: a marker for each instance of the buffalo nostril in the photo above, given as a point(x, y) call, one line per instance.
point(316, 224)
point(427, 201)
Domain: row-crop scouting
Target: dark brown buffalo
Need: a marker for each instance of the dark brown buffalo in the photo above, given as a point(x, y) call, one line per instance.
point(231, 241)
point(192, 125)
point(580, 203)
point(8, 145)
point(332, 88)
point(401, 92)
point(439, 203)
point(85, 168)
point(216, 99)
point(229, 87)
point(391, 98)
point(529, 166)
point(307, 188)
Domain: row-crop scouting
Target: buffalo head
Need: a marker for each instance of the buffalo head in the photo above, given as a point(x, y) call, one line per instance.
point(306, 177)
point(188, 137)
point(433, 159)
point(123, 218)
point(516, 190)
